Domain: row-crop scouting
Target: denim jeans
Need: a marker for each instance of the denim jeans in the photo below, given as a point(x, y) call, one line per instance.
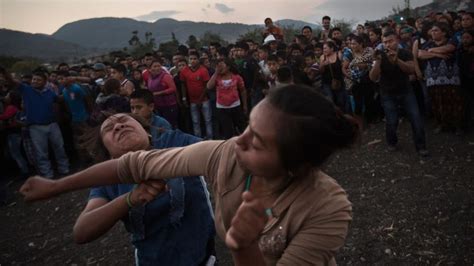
point(408, 102)
point(339, 97)
point(205, 109)
point(40, 136)
point(14, 145)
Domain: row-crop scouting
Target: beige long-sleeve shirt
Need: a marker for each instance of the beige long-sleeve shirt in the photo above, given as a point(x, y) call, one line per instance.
point(310, 218)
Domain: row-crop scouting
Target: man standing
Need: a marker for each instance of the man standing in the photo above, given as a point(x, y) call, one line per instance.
point(77, 102)
point(194, 79)
point(391, 69)
point(39, 104)
point(326, 28)
point(271, 29)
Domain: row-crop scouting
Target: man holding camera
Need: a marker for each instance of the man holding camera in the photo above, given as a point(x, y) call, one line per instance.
point(391, 69)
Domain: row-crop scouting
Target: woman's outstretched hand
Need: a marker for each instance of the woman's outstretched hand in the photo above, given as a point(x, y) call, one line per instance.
point(247, 224)
point(38, 188)
point(147, 191)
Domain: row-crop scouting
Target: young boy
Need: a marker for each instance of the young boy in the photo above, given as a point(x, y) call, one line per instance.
point(141, 104)
point(273, 66)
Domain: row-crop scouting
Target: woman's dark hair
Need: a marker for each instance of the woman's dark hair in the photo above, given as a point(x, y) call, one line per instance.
point(111, 86)
point(359, 40)
point(376, 31)
point(313, 128)
point(331, 44)
point(425, 28)
point(230, 64)
point(444, 27)
point(92, 142)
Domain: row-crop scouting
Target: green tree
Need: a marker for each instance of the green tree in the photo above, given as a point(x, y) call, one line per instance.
point(344, 25)
point(193, 42)
point(254, 35)
point(289, 33)
point(25, 66)
point(138, 48)
point(170, 47)
point(8, 61)
point(208, 37)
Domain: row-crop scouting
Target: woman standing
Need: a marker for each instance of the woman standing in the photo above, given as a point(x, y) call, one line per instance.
point(231, 100)
point(273, 204)
point(442, 79)
point(360, 62)
point(162, 85)
point(332, 76)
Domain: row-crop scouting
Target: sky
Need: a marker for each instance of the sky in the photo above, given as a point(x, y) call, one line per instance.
point(47, 16)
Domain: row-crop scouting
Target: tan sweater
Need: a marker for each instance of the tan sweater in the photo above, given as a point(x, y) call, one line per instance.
point(311, 217)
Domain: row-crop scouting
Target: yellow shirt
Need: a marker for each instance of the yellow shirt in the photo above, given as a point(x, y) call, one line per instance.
point(310, 218)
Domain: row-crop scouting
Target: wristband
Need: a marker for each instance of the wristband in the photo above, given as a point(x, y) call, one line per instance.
point(128, 200)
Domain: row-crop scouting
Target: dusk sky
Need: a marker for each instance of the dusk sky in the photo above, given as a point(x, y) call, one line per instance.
point(47, 16)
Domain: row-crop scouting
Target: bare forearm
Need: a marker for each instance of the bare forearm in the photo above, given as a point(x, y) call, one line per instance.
point(425, 55)
point(104, 173)
point(212, 82)
point(407, 67)
point(374, 74)
point(445, 49)
point(248, 256)
point(94, 223)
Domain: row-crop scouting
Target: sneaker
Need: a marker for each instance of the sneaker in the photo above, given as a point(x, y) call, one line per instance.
point(424, 153)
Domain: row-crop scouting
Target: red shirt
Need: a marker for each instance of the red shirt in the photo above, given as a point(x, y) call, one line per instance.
point(195, 82)
point(228, 90)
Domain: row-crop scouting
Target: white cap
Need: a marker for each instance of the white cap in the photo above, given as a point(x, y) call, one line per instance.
point(269, 38)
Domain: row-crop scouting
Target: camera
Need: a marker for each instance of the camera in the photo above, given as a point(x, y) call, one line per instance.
point(378, 52)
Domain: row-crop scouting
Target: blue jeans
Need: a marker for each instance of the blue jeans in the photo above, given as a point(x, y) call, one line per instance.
point(14, 145)
point(40, 136)
point(338, 97)
point(408, 102)
point(205, 109)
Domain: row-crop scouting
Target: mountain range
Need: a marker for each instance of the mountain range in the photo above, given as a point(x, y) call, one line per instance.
point(98, 35)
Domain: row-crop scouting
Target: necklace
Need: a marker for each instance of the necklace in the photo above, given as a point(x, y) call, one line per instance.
point(248, 182)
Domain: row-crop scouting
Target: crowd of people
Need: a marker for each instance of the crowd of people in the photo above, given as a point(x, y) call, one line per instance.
point(292, 103)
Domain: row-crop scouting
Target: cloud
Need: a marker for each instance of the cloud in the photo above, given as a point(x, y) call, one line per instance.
point(223, 8)
point(155, 15)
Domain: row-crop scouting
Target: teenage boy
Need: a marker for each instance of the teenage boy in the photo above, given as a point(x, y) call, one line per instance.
point(142, 104)
point(194, 79)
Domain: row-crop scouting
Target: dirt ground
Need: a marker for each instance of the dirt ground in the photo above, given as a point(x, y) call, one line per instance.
point(407, 210)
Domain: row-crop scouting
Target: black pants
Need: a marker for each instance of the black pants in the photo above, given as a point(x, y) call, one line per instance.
point(364, 96)
point(231, 121)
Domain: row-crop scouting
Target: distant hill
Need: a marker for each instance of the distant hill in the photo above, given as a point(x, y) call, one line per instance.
point(298, 24)
point(22, 44)
point(115, 32)
point(443, 5)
